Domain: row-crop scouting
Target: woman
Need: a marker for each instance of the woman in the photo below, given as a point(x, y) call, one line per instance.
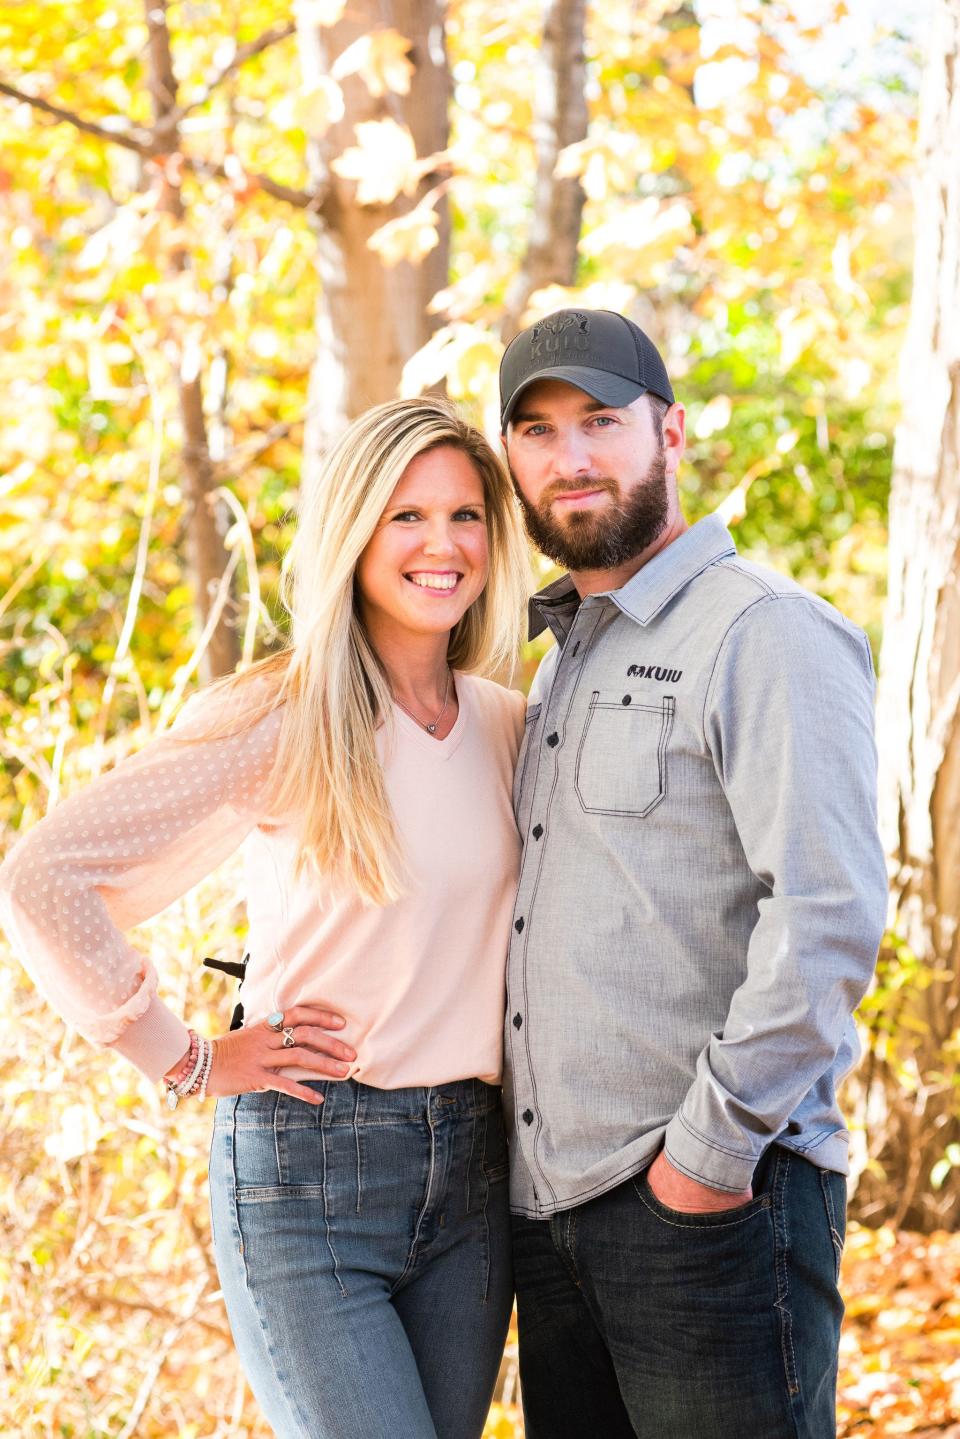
point(358, 1162)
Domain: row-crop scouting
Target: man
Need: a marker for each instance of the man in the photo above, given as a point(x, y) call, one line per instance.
point(701, 900)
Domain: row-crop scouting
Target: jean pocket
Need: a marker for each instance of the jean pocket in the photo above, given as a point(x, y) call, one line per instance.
point(834, 1189)
point(714, 1219)
point(278, 1148)
point(622, 758)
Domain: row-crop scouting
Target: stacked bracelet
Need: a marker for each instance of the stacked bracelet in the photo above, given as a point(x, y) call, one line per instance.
point(193, 1074)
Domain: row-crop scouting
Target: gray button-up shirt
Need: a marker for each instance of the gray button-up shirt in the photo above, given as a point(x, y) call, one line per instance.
point(703, 889)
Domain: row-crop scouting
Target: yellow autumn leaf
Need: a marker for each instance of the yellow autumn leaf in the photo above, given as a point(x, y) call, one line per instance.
point(607, 164)
point(439, 358)
point(408, 237)
point(312, 109)
point(381, 59)
point(381, 162)
point(474, 369)
point(650, 231)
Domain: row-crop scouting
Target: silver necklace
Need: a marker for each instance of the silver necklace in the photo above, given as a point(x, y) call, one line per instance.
point(430, 728)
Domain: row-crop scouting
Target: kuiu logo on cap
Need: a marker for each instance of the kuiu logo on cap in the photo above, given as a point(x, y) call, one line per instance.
point(551, 335)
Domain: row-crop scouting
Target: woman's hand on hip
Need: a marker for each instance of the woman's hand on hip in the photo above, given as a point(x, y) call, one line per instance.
point(248, 1059)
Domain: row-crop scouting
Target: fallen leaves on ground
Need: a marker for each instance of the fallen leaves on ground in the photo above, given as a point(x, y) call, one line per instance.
point(900, 1348)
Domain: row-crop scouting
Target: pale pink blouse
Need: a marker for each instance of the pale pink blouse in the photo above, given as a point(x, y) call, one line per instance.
point(420, 982)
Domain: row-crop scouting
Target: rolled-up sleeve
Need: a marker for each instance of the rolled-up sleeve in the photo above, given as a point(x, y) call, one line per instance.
point(788, 719)
point(117, 853)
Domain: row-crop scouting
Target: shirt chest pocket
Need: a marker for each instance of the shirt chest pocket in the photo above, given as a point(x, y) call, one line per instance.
point(622, 757)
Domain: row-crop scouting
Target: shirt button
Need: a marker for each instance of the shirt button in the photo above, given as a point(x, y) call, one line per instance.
point(626, 699)
point(517, 1021)
point(519, 925)
point(537, 831)
point(527, 1116)
point(553, 739)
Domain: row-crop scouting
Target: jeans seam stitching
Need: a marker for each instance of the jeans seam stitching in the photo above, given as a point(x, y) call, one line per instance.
point(327, 1207)
point(356, 1136)
point(486, 1241)
point(277, 1126)
point(835, 1237)
point(574, 1215)
point(474, 1122)
point(781, 1247)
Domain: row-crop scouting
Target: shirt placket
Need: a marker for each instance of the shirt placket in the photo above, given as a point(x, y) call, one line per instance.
point(552, 739)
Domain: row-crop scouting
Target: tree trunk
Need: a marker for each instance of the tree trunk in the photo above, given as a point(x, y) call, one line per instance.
point(370, 317)
point(918, 728)
point(206, 556)
point(559, 119)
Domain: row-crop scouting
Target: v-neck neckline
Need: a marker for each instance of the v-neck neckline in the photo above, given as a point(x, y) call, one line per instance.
point(445, 747)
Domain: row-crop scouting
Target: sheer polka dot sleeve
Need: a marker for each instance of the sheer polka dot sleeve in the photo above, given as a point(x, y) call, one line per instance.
point(118, 852)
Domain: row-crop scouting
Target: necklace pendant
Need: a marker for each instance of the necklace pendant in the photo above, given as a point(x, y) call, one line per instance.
point(432, 728)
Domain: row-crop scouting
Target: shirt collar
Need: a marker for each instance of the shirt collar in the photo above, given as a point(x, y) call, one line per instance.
point(645, 593)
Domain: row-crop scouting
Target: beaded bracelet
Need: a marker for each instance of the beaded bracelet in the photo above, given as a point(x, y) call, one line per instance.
point(194, 1073)
point(191, 1059)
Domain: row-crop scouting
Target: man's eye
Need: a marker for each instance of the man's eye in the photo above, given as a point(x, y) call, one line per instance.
point(604, 420)
point(535, 430)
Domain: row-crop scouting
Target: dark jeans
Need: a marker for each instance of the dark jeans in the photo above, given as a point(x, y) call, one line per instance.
point(638, 1322)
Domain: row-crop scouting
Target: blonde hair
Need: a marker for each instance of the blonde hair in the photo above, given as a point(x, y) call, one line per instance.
point(329, 680)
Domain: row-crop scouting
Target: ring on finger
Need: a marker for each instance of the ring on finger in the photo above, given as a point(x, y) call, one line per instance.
point(288, 1036)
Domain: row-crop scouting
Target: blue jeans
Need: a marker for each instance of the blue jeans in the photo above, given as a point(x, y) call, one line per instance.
point(638, 1322)
point(363, 1248)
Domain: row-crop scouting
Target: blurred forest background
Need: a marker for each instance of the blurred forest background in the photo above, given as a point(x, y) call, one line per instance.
point(227, 228)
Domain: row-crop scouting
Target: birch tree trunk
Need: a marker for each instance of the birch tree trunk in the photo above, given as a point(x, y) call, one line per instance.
point(559, 119)
point(370, 317)
point(918, 716)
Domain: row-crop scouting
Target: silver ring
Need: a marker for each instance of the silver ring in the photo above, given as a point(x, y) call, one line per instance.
point(288, 1038)
point(275, 1021)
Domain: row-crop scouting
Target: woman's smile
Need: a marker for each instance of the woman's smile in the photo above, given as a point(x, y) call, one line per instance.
point(437, 582)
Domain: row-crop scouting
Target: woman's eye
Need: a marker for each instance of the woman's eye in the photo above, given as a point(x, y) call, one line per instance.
point(468, 515)
point(406, 515)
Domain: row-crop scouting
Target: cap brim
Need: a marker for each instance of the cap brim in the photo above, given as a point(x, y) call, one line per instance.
point(609, 389)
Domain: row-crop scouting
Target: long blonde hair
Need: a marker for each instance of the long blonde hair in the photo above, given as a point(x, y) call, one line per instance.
point(329, 680)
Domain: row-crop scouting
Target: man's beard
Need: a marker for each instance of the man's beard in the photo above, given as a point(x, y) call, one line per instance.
point(601, 539)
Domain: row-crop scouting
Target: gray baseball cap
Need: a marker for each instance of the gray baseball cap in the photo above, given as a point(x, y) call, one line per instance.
point(600, 352)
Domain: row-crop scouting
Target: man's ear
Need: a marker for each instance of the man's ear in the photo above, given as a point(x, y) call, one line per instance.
point(674, 435)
